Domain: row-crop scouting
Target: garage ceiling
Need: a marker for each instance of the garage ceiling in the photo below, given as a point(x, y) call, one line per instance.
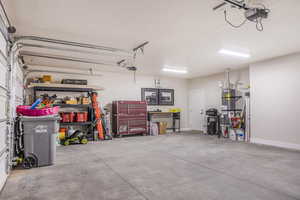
point(181, 33)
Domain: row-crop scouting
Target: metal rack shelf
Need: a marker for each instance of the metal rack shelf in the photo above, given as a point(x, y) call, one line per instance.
point(60, 89)
point(74, 105)
point(76, 123)
point(70, 88)
point(234, 97)
point(235, 110)
point(63, 89)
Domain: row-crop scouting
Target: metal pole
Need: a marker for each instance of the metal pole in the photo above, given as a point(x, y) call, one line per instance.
point(243, 6)
point(140, 46)
point(5, 14)
point(66, 58)
point(21, 45)
point(219, 6)
point(70, 43)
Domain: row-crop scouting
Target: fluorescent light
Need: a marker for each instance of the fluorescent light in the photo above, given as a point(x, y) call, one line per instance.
point(233, 53)
point(175, 70)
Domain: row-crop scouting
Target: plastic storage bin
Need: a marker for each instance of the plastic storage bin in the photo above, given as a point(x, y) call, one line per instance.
point(39, 140)
point(81, 116)
point(26, 111)
point(67, 117)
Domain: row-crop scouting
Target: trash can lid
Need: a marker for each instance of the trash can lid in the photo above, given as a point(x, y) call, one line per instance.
point(40, 118)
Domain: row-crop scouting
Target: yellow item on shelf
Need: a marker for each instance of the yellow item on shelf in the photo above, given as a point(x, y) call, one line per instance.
point(85, 100)
point(175, 110)
point(47, 78)
point(71, 101)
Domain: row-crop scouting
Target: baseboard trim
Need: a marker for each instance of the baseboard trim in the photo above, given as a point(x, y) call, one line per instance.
point(195, 129)
point(285, 145)
point(182, 129)
point(185, 129)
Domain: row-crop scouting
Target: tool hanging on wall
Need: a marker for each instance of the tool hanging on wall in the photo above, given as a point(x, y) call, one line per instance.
point(99, 126)
point(255, 13)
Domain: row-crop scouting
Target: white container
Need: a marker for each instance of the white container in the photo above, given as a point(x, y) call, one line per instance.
point(232, 134)
point(240, 135)
point(153, 129)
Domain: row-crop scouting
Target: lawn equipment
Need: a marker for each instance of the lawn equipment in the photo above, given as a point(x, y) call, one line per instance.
point(78, 137)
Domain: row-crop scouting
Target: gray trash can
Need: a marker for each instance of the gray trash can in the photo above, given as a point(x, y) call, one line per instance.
point(39, 140)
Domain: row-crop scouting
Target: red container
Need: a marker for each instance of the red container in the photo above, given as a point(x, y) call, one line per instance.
point(67, 117)
point(81, 116)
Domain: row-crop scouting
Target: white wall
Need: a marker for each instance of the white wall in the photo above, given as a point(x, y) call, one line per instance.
point(205, 93)
point(122, 87)
point(275, 101)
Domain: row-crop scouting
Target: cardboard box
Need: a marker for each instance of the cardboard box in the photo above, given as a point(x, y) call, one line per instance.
point(163, 128)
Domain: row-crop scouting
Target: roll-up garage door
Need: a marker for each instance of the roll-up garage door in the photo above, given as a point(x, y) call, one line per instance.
point(4, 98)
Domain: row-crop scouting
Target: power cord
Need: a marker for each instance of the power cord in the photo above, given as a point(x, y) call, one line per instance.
point(234, 26)
point(259, 25)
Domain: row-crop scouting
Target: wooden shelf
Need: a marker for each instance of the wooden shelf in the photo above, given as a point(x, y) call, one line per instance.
point(63, 87)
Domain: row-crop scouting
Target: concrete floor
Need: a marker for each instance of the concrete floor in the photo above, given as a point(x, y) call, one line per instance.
point(179, 166)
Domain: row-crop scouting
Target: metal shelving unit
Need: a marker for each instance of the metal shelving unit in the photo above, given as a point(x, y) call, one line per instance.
point(60, 88)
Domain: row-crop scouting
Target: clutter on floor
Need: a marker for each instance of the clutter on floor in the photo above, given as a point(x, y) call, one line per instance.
point(231, 121)
point(77, 137)
point(213, 121)
point(82, 119)
point(80, 112)
point(171, 119)
point(132, 99)
point(57, 119)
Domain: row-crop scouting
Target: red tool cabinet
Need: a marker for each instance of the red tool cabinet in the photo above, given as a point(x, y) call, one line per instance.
point(129, 117)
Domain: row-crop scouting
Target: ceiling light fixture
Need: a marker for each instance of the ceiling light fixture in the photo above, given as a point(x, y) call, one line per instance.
point(233, 53)
point(175, 70)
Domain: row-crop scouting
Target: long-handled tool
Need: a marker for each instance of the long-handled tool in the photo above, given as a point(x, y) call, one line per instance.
point(96, 108)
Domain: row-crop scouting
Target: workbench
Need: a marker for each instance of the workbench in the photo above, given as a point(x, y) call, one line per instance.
point(174, 116)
